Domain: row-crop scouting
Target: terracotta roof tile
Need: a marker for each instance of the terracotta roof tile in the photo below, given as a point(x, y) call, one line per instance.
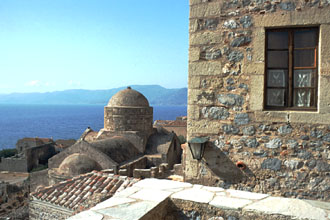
point(171, 123)
point(74, 192)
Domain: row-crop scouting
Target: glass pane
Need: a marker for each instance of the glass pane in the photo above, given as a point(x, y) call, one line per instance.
point(302, 97)
point(276, 78)
point(303, 58)
point(278, 40)
point(196, 150)
point(305, 38)
point(275, 97)
point(277, 59)
point(303, 78)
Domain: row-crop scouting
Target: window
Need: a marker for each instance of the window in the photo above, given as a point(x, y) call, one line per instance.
point(291, 69)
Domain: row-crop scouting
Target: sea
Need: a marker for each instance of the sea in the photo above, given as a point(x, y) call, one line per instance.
point(60, 121)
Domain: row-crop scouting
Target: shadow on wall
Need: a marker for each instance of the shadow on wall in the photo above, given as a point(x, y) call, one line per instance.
point(223, 167)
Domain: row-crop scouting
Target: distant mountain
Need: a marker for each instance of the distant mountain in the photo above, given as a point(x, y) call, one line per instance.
point(156, 95)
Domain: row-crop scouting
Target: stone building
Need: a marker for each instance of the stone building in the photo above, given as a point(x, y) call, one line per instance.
point(25, 143)
point(178, 126)
point(31, 153)
point(128, 144)
point(259, 78)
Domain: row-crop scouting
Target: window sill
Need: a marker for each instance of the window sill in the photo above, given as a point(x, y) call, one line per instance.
point(292, 109)
point(292, 116)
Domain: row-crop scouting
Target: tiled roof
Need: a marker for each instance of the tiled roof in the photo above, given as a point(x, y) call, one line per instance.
point(173, 123)
point(44, 140)
point(74, 192)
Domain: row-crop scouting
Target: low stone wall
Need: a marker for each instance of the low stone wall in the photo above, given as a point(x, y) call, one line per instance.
point(41, 210)
point(13, 197)
point(13, 164)
point(39, 178)
point(160, 172)
point(151, 199)
point(136, 164)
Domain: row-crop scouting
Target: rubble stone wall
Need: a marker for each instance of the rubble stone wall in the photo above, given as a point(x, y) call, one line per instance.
point(12, 164)
point(39, 155)
point(38, 210)
point(284, 153)
point(38, 178)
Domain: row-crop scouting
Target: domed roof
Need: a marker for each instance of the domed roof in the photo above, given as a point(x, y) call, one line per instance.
point(118, 148)
point(128, 97)
point(77, 164)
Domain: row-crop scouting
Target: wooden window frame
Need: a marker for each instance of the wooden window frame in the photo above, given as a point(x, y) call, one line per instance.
point(288, 94)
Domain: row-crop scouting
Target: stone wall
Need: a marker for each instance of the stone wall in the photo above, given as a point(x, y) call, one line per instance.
point(39, 155)
point(136, 164)
point(128, 119)
point(40, 210)
point(38, 178)
point(14, 199)
point(13, 164)
point(276, 152)
point(32, 158)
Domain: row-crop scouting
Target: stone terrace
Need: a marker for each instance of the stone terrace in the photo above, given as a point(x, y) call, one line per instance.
point(165, 199)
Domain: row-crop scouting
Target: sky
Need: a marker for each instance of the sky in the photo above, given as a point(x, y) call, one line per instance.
point(54, 45)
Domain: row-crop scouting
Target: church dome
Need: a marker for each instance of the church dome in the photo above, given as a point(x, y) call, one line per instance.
point(77, 164)
point(128, 97)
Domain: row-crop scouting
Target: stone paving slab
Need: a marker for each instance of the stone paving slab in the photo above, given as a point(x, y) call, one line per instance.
point(112, 202)
point(195, 195)
point(162, 185)
point(298, 209)
point(131, 211)
point(129, 191)
point(229, 203)
point(246, 195)
point(151, 195)
point(319, 204)
point(213, 189)
point(87, 215)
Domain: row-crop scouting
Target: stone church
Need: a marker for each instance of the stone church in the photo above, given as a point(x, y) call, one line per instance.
point(127, 142)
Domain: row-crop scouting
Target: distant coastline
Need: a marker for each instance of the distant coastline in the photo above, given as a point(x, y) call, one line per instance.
point(157, 95)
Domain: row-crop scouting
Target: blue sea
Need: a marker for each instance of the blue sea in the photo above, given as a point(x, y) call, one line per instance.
point(60, 121)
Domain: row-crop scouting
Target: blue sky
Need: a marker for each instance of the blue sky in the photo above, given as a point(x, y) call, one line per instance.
point(49, 45)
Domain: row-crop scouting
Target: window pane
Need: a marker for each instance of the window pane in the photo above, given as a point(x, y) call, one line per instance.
point(276, 78)
point(302, 97)
point(275, 97)
point(305, 38)
point(304, 58)
point(277, 59)
point(303, 78)
point(278, 40)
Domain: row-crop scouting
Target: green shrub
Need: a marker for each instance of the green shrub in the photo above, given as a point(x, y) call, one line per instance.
point(8, 152)
point(39, 167)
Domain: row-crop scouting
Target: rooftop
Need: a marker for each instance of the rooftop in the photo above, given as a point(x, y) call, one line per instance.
point(128, 98)
point(75, 193)
point(174, 123)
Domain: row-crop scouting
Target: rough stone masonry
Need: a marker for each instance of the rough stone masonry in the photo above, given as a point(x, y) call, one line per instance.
point(286, 153)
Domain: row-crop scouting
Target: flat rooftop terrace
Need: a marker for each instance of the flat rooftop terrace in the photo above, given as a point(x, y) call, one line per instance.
point(13, 177)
